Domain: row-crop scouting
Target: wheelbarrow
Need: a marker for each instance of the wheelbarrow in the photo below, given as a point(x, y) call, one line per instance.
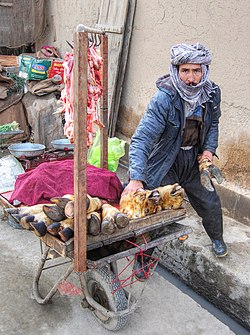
point(100, 288)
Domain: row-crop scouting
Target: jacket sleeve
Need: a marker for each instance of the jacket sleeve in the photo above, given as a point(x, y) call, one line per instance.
point(211, 139)
point(148, 133)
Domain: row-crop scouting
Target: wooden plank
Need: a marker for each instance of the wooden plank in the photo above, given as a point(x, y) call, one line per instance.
point(6, 4)
point(168, 233)
point(174, 231)
point(122, 67)
point(56, 244)
point(136, 227)
point(80, 149)
point(8, 60)
point(65, 249)
point(137, 224)
point(104, 104)
point(113, 13)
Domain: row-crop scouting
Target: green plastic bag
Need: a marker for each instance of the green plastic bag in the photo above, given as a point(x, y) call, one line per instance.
point(116, 150)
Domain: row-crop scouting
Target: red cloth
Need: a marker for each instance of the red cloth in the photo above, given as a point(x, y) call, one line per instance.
point(55, 179)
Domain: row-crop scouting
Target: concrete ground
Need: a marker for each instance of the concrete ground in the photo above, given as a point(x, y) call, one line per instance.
point(163, 308)
point(223, 282)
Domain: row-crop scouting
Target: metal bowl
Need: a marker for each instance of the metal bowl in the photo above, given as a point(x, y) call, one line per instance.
point(62, 144)
point(26, 149)
point(6, 136)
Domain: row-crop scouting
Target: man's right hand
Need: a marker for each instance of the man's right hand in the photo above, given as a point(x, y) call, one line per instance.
point(132, 186)
point(207, 172)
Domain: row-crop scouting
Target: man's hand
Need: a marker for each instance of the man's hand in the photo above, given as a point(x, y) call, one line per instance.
point(132, 186)
point(205, 155)
point(207, 172)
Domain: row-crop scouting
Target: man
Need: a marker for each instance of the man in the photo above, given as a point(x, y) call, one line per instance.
point(177, 137)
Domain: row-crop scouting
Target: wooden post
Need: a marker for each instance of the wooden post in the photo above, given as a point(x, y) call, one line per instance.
point(80, 149)
point(104, 104)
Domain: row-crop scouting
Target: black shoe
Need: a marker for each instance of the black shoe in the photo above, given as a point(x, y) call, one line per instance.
point(219, 248)
point(141, 268)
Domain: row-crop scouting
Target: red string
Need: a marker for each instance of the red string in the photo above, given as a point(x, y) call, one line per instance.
point(150, 265)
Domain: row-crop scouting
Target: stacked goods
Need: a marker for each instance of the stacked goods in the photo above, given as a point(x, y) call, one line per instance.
point(57, 218)
point(34, 68)
point(95, 62)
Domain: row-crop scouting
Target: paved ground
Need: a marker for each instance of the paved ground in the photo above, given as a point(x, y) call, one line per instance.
point(224, 282)
point(163, 308)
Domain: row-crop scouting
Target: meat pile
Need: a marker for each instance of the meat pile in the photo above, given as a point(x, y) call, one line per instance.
point(66, 103)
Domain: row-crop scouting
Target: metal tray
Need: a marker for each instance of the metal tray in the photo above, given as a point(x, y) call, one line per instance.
point(62, 144)
point(7, 135)
point(26, 149)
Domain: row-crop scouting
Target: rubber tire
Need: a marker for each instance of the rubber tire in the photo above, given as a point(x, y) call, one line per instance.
point(103, 278)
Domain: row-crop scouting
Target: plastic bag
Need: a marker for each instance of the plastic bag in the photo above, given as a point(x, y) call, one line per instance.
point(116, 150)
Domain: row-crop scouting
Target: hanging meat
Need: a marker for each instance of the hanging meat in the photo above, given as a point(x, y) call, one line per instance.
point(66, 103)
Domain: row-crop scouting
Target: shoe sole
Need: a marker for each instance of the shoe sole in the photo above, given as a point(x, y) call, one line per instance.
point(223, 255)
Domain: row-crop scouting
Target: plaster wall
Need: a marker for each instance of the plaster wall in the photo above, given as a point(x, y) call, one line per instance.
point(62, 17)
point(223, 26)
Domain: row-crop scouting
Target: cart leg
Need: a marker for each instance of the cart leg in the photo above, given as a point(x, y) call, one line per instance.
point(114, 267)
point(35, 290)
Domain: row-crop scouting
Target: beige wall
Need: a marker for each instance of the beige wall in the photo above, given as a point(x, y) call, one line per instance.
point(223, 26)
point(62, 18)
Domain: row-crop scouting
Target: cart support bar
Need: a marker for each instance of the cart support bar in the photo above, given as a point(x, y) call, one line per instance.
point(80, 149)
point(100, 30)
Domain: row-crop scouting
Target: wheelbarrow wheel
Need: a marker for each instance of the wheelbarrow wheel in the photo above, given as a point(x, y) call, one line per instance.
point(106, 292)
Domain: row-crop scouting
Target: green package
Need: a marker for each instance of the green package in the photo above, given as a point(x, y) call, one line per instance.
point(33, 68)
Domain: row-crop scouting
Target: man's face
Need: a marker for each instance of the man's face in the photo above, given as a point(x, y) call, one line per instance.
point(190, 73)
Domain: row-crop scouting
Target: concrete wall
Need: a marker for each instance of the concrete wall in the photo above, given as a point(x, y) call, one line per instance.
point(221, 25)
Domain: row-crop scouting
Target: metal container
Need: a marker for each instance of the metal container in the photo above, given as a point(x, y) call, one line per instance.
point(26, 149)
point(6, 136)
point(62, 144)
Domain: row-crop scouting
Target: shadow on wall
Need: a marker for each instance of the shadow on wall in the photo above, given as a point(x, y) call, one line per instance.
point(128, 119)
point(235, 162)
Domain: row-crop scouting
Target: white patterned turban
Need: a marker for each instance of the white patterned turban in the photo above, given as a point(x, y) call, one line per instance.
point(194, 53)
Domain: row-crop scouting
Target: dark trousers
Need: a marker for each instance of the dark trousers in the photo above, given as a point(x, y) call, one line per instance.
point(207, 204)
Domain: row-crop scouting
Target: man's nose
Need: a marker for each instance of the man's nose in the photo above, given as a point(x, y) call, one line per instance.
point(191, 78)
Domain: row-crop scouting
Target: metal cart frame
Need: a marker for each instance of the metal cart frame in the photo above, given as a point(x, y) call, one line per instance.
point(109, 306)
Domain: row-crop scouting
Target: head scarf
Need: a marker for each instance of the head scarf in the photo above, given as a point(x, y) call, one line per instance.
point(194, 54)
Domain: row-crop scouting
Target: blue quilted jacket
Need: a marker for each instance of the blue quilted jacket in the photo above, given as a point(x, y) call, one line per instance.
point(157, 139)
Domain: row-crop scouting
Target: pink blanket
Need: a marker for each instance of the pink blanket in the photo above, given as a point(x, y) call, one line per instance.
point(55, 179)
